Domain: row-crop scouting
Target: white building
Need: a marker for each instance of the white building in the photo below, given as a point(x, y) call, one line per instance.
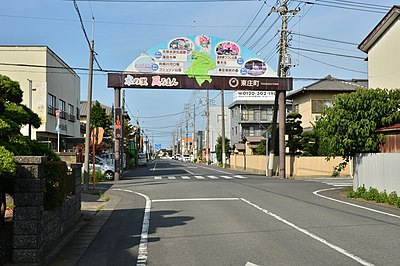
point(48, 84)
point(216, 128)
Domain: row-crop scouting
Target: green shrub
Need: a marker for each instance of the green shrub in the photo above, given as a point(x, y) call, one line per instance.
point(373, 194)
point(361, 192)
point(351, 193)
point(392, 198)
point(398, 203)
point(383, 197)
point(55, 175)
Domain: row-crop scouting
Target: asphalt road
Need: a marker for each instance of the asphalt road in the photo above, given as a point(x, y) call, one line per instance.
point(175, 213)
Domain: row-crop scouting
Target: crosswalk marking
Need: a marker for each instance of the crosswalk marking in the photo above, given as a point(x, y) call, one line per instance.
point(199, 177)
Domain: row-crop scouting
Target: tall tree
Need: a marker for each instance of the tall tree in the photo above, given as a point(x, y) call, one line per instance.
point(218, 148)
point(99, 118)
point(294, 131)
point(349, 126)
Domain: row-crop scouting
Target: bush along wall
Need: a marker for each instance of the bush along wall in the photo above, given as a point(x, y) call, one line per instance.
point(373, 194)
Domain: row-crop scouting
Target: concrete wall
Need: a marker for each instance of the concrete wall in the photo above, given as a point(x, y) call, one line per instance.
point(36, 231)
point(296, 167)
point(377, 170)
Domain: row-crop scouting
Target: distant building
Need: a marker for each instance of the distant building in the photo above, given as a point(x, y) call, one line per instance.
point(310, 100)
point(216, 128)
point(49, 84)
point(251, 115)
point(382, 46)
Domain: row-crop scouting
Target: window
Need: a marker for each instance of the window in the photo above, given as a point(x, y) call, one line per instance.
point(71, 116)
point(317, 106)
point(219, 118)
point(63, 114)
point(236, 130)
point(248, 115)
point(51, 104)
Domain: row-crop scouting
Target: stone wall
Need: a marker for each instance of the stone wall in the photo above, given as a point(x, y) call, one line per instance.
point(36, 231)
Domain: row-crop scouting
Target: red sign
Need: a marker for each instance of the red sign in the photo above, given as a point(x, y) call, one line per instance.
point(58, 114)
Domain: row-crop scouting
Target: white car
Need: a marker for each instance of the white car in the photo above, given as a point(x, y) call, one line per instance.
point(186, 158)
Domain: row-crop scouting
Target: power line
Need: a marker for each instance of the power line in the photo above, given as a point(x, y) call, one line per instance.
point(328, 53)
point(335, 66)
point(365, 9)
point(323, 39)
point(165, 1)
point(254, 18)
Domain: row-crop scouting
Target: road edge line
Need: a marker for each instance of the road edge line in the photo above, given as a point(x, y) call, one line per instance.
point(351, 204)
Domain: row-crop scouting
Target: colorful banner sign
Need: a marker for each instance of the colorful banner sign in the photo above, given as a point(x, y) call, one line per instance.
point(200, 57)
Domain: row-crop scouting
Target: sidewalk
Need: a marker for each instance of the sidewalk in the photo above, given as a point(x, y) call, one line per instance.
point(96, 208)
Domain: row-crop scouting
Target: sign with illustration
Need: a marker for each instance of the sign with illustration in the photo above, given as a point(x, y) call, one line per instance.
point(200, 57)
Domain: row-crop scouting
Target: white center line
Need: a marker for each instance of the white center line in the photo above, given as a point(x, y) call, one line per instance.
point(171, 177)
point(158, 177)
point(185, 177)
point(226, 177)
point(199, 177)
point(213, 177)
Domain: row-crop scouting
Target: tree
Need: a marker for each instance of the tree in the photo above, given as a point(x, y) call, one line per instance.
point(218, 148)
point(13, 115)
point(349, 126)
point(294, 131)
point(309, 143)
point(99, 118)
point(260, 150)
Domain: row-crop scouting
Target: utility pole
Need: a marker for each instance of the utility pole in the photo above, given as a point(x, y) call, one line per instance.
point(194, 133)
point(180, 138)
point(223, 128)
point(208, 127)
point(283, 68)
point(88, 115)
point(30, 107)
point(187, 129)
point(123, 133)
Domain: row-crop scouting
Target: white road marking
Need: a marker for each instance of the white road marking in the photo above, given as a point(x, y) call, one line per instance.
point(352, 204)
point(158, 177)
point(171, 177)
point(154, 168)
point(340, 184)
point(185, 177)
point(239, 176)
point(195, 199)
point(250, 264)
point(226, 177)
point(212, 177)
point(323, 241)
point(215, 170)
point(188, 171)
point(199, 177)
point(142, 253)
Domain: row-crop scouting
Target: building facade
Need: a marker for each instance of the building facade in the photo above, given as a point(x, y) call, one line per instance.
point(382, 46)
point(310, 100)
point(48, 84)
point(251, 114)
point(216, 128)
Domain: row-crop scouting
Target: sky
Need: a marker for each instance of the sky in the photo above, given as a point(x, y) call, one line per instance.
point(124, 29)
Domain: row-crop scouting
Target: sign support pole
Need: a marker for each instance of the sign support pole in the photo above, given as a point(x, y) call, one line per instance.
point(117, 140)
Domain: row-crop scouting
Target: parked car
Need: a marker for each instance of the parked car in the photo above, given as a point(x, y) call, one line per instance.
point(177, 157)
point(103, 167)
point(142, 160)
point(108, 157)
point(186, 158)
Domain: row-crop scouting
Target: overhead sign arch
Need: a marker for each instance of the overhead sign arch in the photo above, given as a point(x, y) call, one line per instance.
point(199, 62)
